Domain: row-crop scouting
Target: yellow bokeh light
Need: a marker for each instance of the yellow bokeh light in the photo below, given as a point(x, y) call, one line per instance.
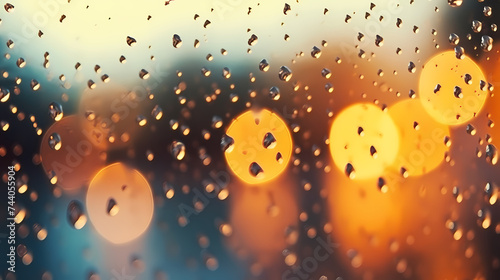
point(127, 189)
point(363, 141)
point(249, 159)
point(422, 145)
point(452, 90)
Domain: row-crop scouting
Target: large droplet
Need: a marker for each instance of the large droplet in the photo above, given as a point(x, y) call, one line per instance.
point(55, 111)
point(316, 52)
point(286, 8)
point(477, 26)
point(454, 39)
point(9, 8)
point(285, 74)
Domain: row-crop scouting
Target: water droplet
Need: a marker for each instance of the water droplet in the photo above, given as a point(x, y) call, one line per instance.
point(455, 3)
point(252, 41)
point(207, 23)
point(454, 39)
point(491, 154)
point(21, 62)
point(316, 52)
point(157, 112)
point(487, 11)
point(112, 207)
point(227, 143)
point(379, 41)
point(459, 52)
point(399, 22)
point(4, 95)
point(411, 67)
point(205, 72)
point(274, 93)
point(55, 111)
point(263, 65)
point(35, 85)
point(75, 215)
point(477, 26)
point(382, 185)
point(176, 41)
point(471, 129)
point(9, 8)
point(486, 43)
point(457, 91)
point(349, 171)
point(373, 152)
point(131, 41)
point(269, 141)
point(217, 122)
point(143, 74)
point(286, 8)
point(141, 120)
point(178, 150)
point(55, 142)
point(285, 74)
point(326, 73)
point(256, 170)
point(468, 79)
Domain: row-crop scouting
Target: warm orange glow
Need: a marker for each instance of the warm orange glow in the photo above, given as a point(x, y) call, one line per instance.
point(249, 131)
point(452, 90)
point(119, 203)
point(366, 137)
point(422, 146)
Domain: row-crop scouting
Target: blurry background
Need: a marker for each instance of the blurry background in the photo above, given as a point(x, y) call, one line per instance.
point(115, 115)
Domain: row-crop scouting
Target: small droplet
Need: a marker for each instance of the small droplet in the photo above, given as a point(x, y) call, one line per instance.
point(35, 85)
point(373, 152)
point(437, 88)
point(399, 22)
point(471, 129)
point(459, 52)
point(379, 41)
point(454, 39)
point(9, 8)
point(21, 62)
point(361, 131)
point(176, 41)
point(141, 120)
point(157, 112)
point(279, 158)
point(326, 73)
point(4, 95)
point(411, 67)
point(468, 79)
point(455, 3)
point(217, 122)
point(226, 73)
point(144, 74)
point(457, 91)
point(206, 24)
point(487, 11)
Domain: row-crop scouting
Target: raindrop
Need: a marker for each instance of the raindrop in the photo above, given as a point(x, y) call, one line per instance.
point(349, 171)
point(269, 141)
point(143, 74)
point(491, 154)
point(382, 185)
point(112, 208)
point(361, 131)
point(457, 91)
point(373, 152)
point(35, 85)
point(205, 72)
point(411, 67)
point(227, 143)
point(471, 129)
point(379, 41)
point(55, 142)
point(157, 112)
point(207, 23)
point(256, 170)
point(226, 73)
point(55, 111)
point(326, 73)
point(21, 62)
point(176, 41)
point(399, 22)
point(285, 74)
point(75, 214)
point(477, 26)
point(274, 93)
point(455, 3)
point(486, 43)
point(263, 65)
point(9, 8)
point(487, 11)
point(459, 52)
point(279, 157)
point(437, 88)
point(4, 95)
point(286, 8)
point(454, 39)
point(468, 79)
point(141, 120)
point(316, 52)
point(178, 150)
point(253, 40)
point(131, 41)
point(217, 122)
